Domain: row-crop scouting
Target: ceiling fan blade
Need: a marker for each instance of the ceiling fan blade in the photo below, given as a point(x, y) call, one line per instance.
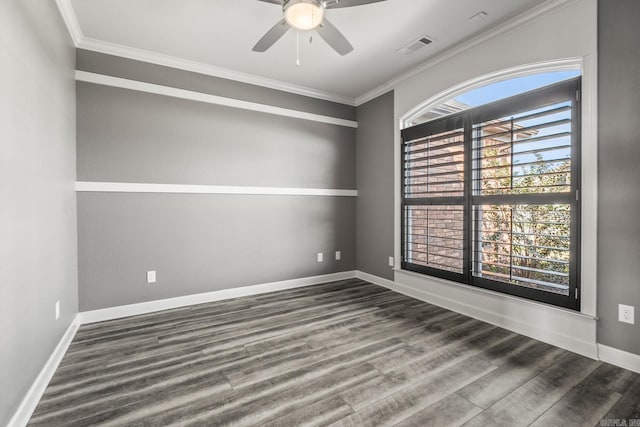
point(273, 1)
point(271, 36)
point(334, 38)
point(335, 4)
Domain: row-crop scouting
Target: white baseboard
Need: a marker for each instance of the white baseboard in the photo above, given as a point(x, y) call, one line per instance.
point(571, 331)
point(620, 358)
point(30, 401)
point(376, 280)
point(604, 353)
point(169, 303)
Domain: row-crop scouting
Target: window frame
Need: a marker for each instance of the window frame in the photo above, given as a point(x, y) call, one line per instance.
point(568, 90)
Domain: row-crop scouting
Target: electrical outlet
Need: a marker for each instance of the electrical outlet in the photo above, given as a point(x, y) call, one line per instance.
point(57, 310)
point(320, 257)
point(626, 313)
point(391, 263)
point(338, 255)
point(151, 276)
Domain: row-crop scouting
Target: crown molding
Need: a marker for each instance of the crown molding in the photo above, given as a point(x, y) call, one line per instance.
point(206, 69)
point(525, 18)
point(71, 21)
point(82, 42)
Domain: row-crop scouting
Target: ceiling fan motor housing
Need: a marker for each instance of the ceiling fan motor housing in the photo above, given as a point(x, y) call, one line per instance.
point(306, 15)
point(303, 15)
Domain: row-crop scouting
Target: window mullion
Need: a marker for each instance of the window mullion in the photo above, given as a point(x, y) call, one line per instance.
point(576, 167)
point(468, 190)
point(524, 199)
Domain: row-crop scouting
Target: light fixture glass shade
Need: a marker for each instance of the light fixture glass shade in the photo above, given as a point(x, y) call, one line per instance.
point(303, 15)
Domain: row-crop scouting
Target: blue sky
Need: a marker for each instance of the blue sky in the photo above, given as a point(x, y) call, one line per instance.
point(507, 88)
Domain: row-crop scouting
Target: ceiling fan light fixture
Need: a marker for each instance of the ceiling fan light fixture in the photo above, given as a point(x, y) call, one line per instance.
point(303, 14)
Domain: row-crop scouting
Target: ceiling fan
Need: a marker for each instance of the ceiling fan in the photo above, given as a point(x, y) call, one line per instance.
point(306, 15)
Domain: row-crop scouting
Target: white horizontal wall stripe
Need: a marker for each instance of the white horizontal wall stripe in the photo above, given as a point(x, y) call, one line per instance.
point(190, 95)
point(129, 187)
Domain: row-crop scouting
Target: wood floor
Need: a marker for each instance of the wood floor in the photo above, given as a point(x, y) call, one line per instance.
point(346, 353)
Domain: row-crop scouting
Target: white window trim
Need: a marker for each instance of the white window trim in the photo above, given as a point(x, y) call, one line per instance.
point(589, 197)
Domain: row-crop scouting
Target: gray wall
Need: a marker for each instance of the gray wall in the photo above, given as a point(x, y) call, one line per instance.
point(375, 204)
point(202, 243)
point(127, 136)
point(38, 207)
point(619, 173)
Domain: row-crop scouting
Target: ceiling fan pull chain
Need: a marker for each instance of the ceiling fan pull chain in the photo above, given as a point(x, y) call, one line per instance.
point(297, 48)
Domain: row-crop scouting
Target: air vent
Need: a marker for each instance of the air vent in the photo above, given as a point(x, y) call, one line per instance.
point(416, 45)
point(478, 17)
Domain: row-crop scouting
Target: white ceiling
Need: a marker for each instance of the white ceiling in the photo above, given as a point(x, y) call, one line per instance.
point(221, 33)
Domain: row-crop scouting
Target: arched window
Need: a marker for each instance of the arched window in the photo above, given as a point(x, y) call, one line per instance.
point(489, 93)
point(491, 184)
